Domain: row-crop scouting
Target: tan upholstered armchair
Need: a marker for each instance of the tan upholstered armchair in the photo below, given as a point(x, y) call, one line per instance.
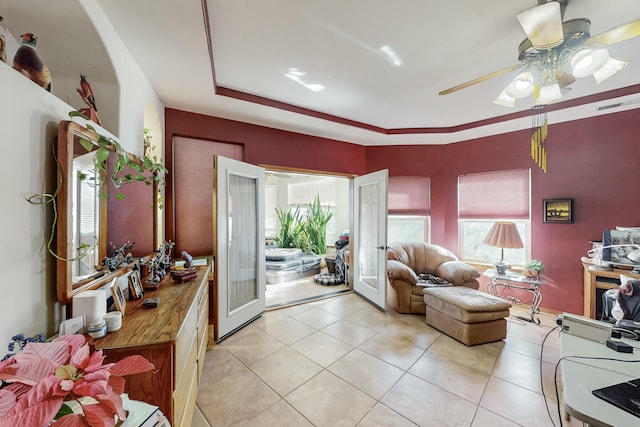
point(406, 261)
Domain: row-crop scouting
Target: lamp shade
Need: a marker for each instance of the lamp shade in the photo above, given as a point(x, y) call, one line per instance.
point(504, 235)
point(543, 25)
point(522, 86)
point(587, 61)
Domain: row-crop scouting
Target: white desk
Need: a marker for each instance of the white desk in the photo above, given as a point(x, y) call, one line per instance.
point(581, 376)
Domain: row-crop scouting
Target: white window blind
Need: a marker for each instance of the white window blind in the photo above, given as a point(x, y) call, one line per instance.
point(305, 192)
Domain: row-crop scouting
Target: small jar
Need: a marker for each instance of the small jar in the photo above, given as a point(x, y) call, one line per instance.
point(113, 320)
point(97, 329)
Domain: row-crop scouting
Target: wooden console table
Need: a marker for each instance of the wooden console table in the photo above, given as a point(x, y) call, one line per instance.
point(173, 337)
point(592, 282)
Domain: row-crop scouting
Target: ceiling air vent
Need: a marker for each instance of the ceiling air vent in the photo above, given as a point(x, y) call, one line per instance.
point(610, 106)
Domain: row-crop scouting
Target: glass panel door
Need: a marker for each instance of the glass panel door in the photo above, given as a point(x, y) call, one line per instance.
point(239, 239)
point(370, 237)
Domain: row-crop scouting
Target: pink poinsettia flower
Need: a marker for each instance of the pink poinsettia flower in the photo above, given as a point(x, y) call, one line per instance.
point(44, 375)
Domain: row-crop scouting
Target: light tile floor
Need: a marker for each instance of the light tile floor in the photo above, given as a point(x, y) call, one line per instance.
point(284, 293)
point(342, 362)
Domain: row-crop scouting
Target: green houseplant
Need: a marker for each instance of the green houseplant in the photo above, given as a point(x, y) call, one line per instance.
point(292, 232)
point(316, 226)
point(533, 268)
point(145, 169)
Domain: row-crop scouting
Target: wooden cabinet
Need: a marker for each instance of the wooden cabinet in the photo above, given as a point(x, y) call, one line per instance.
point(173, 337)
point(600, 279)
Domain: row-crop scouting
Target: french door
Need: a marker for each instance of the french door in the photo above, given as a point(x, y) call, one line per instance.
point(238, 230)
point(370, 237)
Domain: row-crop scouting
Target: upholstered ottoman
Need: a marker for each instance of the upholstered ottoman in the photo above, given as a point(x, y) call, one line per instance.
point(469, 316)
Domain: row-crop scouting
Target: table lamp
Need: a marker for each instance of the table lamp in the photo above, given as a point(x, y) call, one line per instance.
point(503, 235)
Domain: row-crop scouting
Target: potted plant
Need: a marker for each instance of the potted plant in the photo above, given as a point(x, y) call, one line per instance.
point(292, 232)
point(533, 268)
point(146, 169)
point(316, 226)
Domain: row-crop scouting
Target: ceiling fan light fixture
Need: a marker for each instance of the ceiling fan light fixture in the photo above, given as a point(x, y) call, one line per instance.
point(543, 25)
point(522, 86)
point(549, 94)
point(611, 67)
point(587, 61)
point(504, 99)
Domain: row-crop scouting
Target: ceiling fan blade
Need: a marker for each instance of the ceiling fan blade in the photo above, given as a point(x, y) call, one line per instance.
point(616, 35)
point(543, 25)
point(481, 79)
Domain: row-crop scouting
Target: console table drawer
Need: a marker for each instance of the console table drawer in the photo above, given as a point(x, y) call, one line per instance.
point(169, 336)
point(186, 340)
point(184, 399)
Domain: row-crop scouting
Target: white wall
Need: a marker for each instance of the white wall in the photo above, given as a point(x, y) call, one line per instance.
point(29, 118)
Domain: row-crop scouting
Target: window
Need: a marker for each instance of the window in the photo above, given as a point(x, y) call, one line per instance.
point(291, 190)
point(409, 209)
point(489, 197)
point(407, 228)
point(301, 194)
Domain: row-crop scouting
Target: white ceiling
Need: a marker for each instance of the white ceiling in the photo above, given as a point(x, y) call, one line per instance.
point(337, 43)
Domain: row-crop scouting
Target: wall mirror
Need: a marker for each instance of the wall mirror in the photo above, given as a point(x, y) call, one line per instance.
point(91, 225)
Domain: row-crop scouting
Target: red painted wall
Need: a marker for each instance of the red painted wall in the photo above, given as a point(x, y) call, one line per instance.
point(262, 145)
point(594, 161)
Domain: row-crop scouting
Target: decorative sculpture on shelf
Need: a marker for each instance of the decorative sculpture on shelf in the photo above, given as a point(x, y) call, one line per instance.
point(120, 257)
point(159, 264)
point(86, 93)
point(29, 63)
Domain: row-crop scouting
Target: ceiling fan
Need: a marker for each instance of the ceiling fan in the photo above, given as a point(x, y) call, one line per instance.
point(555, 53)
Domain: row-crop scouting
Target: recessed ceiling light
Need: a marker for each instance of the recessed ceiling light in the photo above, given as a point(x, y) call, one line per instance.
point(390, 55)
point(296, 75)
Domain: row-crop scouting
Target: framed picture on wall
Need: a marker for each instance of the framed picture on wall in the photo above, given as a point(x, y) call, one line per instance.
point(119, 300)
point(557, 210)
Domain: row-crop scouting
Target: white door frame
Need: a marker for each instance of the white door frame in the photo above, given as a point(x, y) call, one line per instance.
point(369, 254)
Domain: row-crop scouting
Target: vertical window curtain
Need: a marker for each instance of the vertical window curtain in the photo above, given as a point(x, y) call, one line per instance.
point(193, 191)
point(409, 195)
point(494, 195)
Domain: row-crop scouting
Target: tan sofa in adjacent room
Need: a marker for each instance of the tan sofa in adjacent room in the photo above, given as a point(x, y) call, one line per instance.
point(406, 261)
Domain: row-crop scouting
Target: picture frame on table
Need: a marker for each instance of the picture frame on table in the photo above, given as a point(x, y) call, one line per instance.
point(135, 285)
point(558, 211)
point(119, 299)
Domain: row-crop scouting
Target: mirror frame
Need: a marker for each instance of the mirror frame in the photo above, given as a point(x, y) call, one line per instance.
point(69, 133)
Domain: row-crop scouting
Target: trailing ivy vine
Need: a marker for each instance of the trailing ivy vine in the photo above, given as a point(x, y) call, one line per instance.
point(145, 169)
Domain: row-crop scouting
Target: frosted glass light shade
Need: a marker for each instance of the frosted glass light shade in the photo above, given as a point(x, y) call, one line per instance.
point(543, 25)
point(504, 99)
point(549, 94)
point(522, 86)
point(611, 67)
point(586, 61)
